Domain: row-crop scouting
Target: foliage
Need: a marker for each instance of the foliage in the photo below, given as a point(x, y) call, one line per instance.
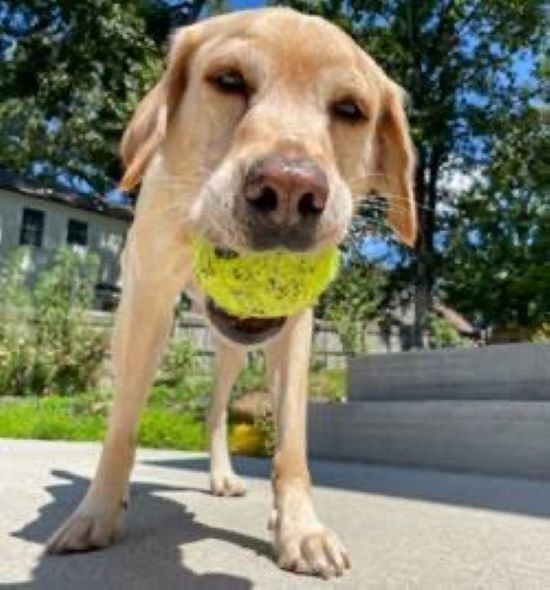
point(499, 238)
point(71, 73)
point(444, 335)
point(328, 384)
point(541, 334)
point(265, 426)
point(252, 377)
point(46, 344)
point(191, 396)
point(464, 65)
point(353, 300)
point(178, 363)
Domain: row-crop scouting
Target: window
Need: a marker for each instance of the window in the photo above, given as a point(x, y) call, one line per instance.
point(32, 227)
point(77, 233)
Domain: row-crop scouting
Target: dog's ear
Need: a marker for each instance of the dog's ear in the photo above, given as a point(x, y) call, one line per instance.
point(394, 164)
point(147, 128)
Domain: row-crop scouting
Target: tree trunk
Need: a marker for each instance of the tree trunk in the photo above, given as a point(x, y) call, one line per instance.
point(422, 303)
point(426, 195)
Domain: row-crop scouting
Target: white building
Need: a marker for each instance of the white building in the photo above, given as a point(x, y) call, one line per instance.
point(47, 219)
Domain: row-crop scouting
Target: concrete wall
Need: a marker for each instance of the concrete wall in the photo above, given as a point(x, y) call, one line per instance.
point(105, 234)
point(504, 371)
point(509, 438)
point(485, 410)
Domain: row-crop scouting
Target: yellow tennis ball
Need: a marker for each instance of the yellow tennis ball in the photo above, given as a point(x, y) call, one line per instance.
point(246, 439)
point(270, 284)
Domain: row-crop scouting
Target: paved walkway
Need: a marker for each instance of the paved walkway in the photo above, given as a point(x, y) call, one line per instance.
point(405, 529)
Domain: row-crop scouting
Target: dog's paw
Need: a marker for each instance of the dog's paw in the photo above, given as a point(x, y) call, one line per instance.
point(227, 483)
point(91, 526)
point(302, 544)
point(317, 552)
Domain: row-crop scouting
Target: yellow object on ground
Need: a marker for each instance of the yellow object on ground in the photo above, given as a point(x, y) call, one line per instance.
point(247, 440)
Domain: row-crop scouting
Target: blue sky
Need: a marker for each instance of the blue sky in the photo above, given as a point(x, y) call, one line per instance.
point(242, 4)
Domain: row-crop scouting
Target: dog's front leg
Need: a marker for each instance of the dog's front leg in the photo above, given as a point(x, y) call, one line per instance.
point(229, 362)
point(142, 325)
point(302, 542)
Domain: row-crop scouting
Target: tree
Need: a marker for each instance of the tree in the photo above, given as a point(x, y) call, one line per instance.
point(354, 300)
point(463, 63)
point(499, 236)
point(70, 76)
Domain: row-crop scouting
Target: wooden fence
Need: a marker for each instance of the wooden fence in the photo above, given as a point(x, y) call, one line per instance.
point(328, 351)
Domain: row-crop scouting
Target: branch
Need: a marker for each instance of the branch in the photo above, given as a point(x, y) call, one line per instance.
point(466, 22)
point(189, 10)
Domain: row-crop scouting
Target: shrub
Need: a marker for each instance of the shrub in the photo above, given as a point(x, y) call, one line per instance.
point(178, 362)
point(265, 425)
point(252, 377)
point(352, 301)
point(444, 335)
point(46, 344)
point(328, 384)
point(541, 334)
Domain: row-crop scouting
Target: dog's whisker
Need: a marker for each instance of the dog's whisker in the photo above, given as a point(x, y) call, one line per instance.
point(393, 210)
point(361, 181)
point(401, 202)
point(382, 208)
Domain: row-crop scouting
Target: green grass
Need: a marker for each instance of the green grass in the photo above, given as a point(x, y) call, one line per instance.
point(82, 418)
point(174, 418)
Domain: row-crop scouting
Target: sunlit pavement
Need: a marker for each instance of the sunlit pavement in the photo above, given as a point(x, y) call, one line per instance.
point(404, 528)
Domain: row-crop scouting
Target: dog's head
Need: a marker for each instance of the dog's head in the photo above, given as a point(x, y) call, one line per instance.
point(268, 123)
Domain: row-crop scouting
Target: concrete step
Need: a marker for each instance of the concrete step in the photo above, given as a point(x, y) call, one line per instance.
point(500, 372)
point(492, 437)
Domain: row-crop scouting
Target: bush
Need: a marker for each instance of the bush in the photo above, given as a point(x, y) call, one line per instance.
point(252, 377)
point(46, 344)
point(444, 335)
point(352, 301)
point(541, 334)
point(328, 384)
point(178, 362)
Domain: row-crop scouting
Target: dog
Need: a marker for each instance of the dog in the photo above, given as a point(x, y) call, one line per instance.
point(263, 132)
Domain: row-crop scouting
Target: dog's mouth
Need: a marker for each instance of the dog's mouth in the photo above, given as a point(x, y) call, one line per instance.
point(245, 331)
point(226, 253)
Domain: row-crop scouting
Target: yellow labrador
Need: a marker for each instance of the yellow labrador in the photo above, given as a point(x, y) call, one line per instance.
point(262, 129)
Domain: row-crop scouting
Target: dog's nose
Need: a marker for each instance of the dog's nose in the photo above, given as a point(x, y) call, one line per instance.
point(286, 190)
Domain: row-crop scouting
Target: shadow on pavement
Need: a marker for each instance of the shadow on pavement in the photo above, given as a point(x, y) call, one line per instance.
point(148, 556)
point(521, 496)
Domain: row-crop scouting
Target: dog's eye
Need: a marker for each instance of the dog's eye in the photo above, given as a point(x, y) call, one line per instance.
point(230, 82)
point(348, 110)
